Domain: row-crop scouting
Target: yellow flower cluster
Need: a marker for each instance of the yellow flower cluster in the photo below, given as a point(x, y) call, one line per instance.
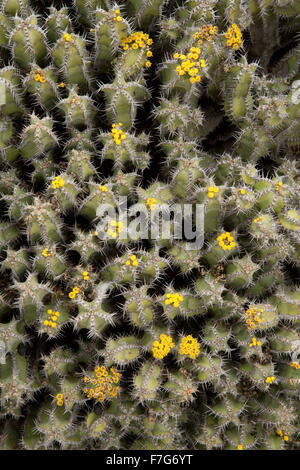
point(258, 219)
point(278, 186)
point(234, 37)
point(240, 447)
point(189, 346)
point(132, 261)
point(46, 252)
point(59, 399)
point(270, 380)
point(102, 384)
point(39, 77)
point(138, 40)
point(118, 16)
point(254, 342)
point(212, 191)
point(243, 191)
point(206, 33)
point(103, 188)
point(188, 66)
point(161, 348)
point(295, 364)
point(58, 182)
point(117, 133)
point(61, 85)
point(253, 317)
point(151, 202)
point(85, 275)
point(174, 299)
point(53, 318)
point(67, 37)
point(282, 434)
point(74, 292)
point(226, 241)
point(118, 227)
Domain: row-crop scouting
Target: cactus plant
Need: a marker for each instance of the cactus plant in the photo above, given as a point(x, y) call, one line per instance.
point(116, 338)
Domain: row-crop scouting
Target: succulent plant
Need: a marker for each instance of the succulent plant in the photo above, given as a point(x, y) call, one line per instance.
point(113, 338)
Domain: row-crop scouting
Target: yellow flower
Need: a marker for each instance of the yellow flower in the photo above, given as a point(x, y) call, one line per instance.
point(67, 37)
point(53, 318)
point(39, 77)
point(46, 253)
point(151, 202)
point(103, 188)
point(189, 346)
point(271, 379)
point(255, 342)
point(117, 133)
point(296, 365)
point(138, 40)
point(212, 191)
point(278, 186)
point(58, 182)
point(161, 348)
point(102, 384)
point(133, 261)
point(240, 447)
point(282, 434)
point(74, 292)
point(118, 227)
point(174, 299)
point(188, 66)
point(206, 33)
point(226, 241)
point(234, 37)
point(253, 318)
point(59, 399)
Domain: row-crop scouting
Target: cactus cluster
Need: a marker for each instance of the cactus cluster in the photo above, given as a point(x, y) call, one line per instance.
point(131, 342)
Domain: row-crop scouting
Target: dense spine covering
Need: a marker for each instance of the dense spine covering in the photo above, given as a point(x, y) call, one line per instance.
point(131, 344)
